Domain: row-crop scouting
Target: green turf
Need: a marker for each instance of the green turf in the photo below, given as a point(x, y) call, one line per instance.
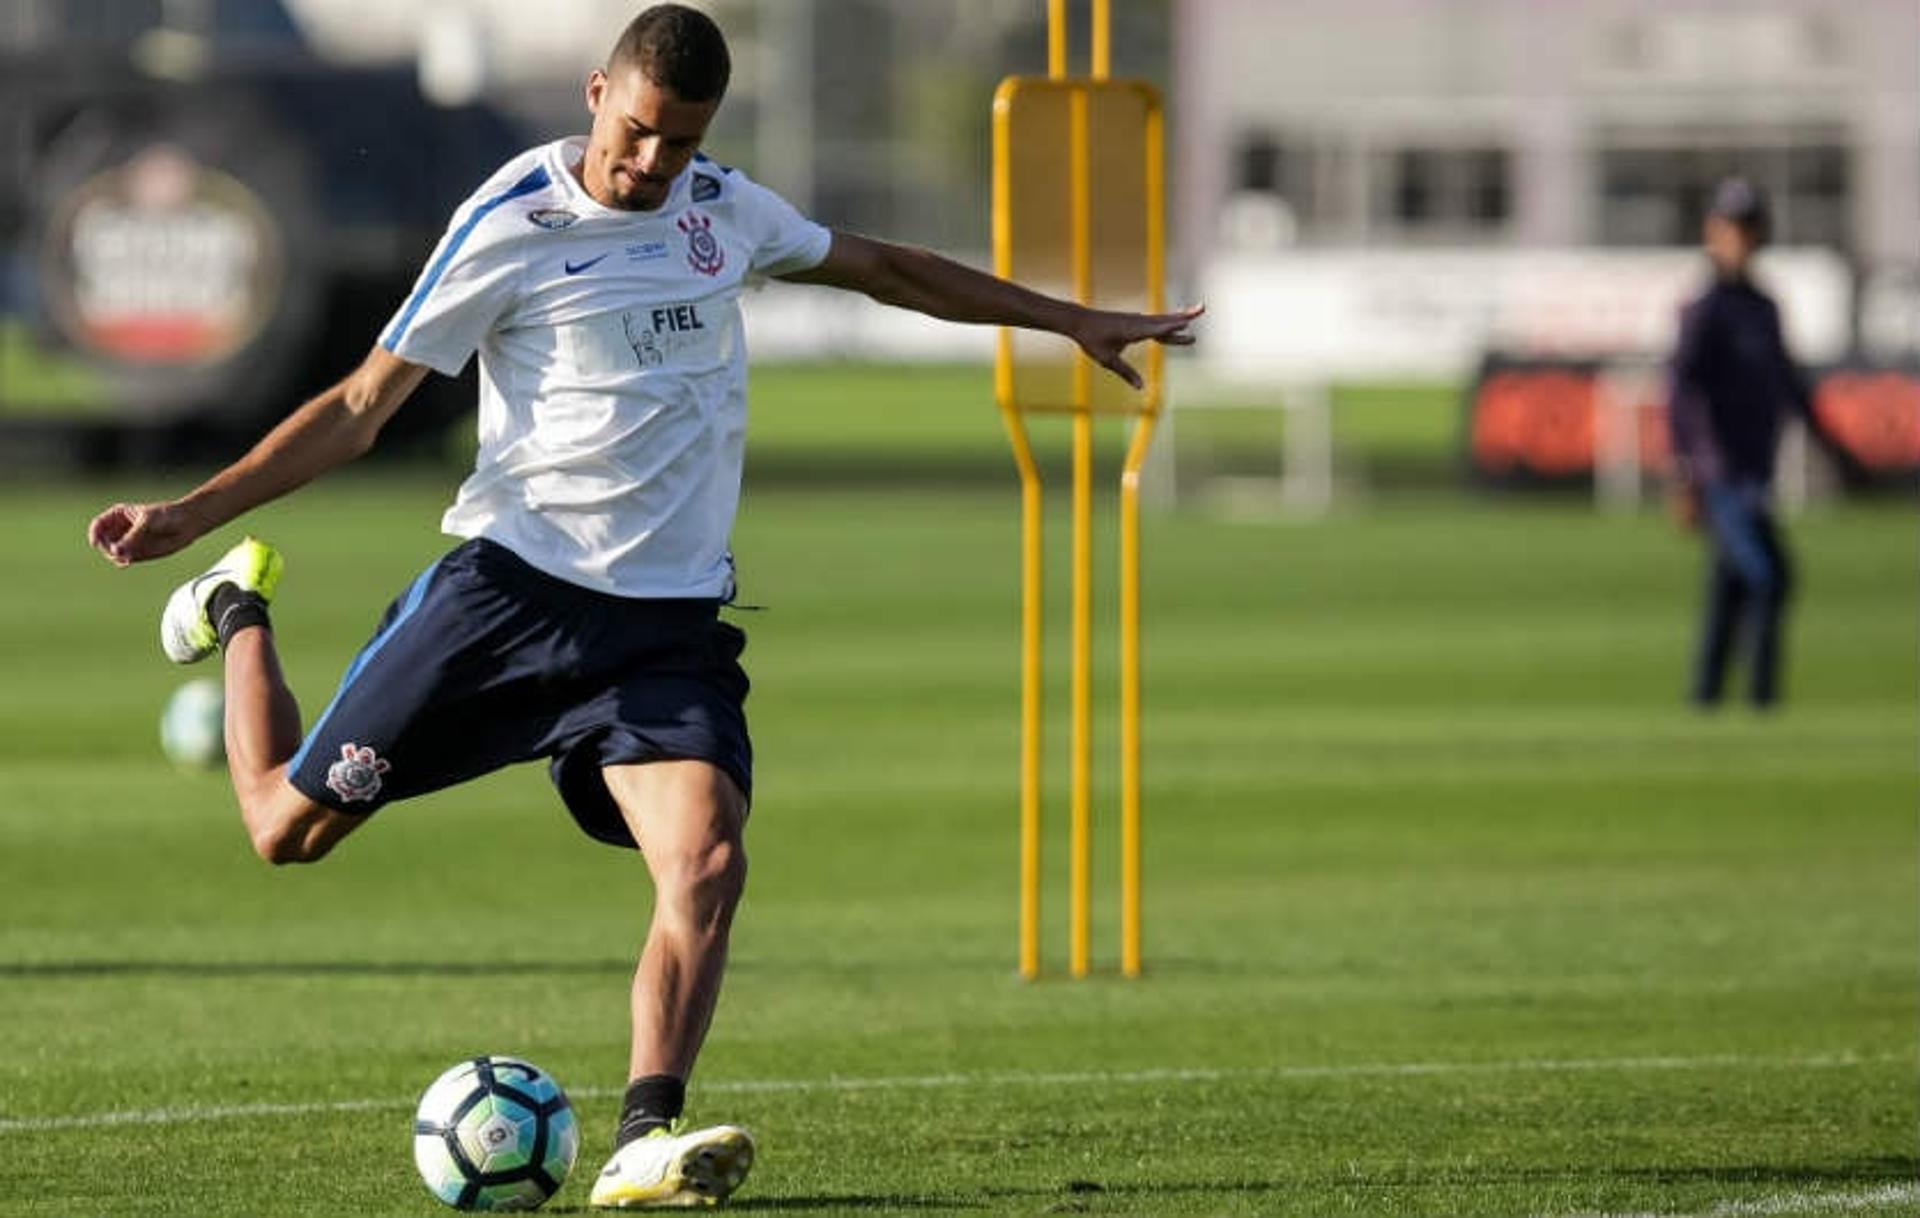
point(860, 419)
point(1451, 907)
point(36, 382)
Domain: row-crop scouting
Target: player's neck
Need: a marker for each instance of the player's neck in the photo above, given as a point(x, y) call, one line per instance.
point(579, 171)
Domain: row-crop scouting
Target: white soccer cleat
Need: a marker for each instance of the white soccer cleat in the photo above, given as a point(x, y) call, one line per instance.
point(665, 1170)
point(187, 633)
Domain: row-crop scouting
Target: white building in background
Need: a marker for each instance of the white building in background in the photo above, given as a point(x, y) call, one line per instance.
point(1565, 122)
point(1392, 148)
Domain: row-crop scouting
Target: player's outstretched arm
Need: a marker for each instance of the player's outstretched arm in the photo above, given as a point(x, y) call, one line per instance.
point(924, 281)
point(328, 430)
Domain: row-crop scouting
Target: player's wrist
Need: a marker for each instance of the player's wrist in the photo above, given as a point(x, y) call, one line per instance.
point(191, 516)
point(1081, 323)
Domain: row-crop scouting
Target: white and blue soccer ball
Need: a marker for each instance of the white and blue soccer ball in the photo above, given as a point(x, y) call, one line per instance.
point(193, 725)
point(495, 1133)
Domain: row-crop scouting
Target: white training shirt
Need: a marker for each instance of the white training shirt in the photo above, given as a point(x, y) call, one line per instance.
point(613, 373)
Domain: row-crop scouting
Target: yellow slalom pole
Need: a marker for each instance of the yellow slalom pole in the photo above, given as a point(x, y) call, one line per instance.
point(1057, 39)
point(1031, 557)
point(1030, 692)
point(1081, 866)
point(1130, 696)
point(1102, 38)
point(1081, 862)
point(1130, 712)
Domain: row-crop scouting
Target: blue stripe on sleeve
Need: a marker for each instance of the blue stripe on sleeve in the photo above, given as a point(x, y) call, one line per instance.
point(525, 186)
point(415, 595)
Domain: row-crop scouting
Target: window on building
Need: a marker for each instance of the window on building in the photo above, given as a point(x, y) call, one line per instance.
point(1259, 167)
point(1336, 192)
point(1442, 193)
point(1311, 173)
point(1654, 190)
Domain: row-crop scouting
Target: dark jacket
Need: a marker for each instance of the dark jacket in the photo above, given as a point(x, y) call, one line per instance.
point(1731, 377)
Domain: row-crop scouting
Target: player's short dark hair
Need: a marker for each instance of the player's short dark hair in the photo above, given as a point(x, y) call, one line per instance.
point(678, 48)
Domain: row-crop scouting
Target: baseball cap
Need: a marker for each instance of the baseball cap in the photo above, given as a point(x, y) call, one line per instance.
point(1739, 200)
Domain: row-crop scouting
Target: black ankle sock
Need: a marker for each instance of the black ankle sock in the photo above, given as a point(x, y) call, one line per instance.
point(233, 609)
point(653, 1102)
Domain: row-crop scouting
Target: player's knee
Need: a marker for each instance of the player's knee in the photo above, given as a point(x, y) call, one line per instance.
point(722, 874)
point(280, 839)
point(711, 880)
point(278, 847)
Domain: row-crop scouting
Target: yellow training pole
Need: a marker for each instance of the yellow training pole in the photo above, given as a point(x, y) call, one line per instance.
point(1031, 557)
point(1129, 611)
point(1130, 797)
point(1102, 38)
point(1030, 693)
point(1057, 39)
point(1081, 861)
point(1130, 696)
point(1081, 864)
point(1079, 96)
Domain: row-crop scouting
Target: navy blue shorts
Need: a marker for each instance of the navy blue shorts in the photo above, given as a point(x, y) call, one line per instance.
point(486, 661)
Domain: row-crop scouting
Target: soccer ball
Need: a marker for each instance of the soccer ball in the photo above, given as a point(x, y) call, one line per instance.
point(494, 1133)
point(193, 725)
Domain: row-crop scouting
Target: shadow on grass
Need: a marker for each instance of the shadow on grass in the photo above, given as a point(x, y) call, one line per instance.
point(980, 966)
point(839, 1201)
point(313, 968)
point(55, 969)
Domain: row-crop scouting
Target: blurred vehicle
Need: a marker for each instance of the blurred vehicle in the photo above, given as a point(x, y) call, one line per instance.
point(202, 223)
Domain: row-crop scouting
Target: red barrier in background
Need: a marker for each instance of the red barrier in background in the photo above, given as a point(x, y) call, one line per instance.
point(1875, 415)
point(1540, 421)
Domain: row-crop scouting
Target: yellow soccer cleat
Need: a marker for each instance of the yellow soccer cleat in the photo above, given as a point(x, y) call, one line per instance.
point(668, 1170)
point(187, 632)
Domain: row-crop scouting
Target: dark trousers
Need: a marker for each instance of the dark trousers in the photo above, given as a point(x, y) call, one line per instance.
point(1748, 581)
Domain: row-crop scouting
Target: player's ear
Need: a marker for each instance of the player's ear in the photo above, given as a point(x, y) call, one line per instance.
point(596, 90)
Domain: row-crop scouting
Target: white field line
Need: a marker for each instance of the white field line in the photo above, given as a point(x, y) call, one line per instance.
point(1823, 1201)
point(222, 1112)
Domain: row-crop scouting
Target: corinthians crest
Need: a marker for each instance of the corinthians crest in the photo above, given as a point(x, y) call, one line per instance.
point(703, 250)
point(356, 775)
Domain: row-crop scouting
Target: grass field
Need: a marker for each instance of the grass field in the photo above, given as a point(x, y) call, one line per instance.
point(1451, 907)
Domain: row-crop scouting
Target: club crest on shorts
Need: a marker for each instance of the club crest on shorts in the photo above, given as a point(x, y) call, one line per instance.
point(356, 776)
point(703, 249)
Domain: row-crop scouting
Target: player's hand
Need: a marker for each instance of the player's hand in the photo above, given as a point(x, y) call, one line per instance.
point(1104, 336)
point(1683, 503)
point(127, 533)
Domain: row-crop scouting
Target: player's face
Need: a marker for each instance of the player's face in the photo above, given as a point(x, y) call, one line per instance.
point(1728, 244)
point(642, 137)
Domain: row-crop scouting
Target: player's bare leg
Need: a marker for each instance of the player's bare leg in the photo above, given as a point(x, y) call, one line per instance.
point(263, 733)
point(263, 720)
point(224, 608)
point(689, 819)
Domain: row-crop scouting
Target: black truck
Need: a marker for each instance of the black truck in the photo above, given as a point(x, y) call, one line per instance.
point(200, 227)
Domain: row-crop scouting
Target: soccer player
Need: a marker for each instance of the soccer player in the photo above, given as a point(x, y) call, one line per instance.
point(598, 280)
point(1731, 375)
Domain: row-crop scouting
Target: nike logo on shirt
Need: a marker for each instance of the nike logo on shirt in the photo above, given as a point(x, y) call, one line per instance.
point(574, 268)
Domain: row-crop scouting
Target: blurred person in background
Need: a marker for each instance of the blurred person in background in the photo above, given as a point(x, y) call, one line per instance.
point(598, 280)
point(1731, 379)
